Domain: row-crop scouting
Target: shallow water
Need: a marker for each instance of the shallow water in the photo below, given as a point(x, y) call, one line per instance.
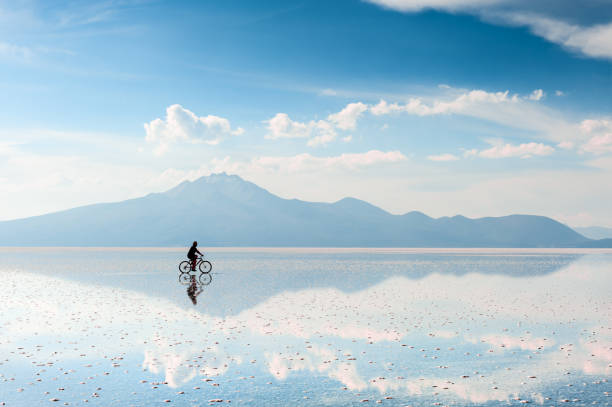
point(306, 327)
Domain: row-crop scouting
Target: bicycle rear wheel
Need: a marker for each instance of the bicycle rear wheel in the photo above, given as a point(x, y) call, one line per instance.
point(185, 266)
point(205, 267)
point(185, 278)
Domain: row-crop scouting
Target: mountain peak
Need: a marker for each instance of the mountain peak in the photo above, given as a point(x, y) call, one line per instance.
point(219, 177)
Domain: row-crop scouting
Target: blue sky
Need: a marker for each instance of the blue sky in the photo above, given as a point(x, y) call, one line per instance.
point(478, 107)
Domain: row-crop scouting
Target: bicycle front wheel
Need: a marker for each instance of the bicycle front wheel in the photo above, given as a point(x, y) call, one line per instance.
point(185, 266)
point(205, 266)
point(205, 278)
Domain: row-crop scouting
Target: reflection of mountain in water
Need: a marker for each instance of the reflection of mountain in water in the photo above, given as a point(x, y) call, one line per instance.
point(244, 279)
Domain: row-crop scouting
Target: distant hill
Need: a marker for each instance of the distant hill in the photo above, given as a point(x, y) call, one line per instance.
point(225, 210)
point(595, 232)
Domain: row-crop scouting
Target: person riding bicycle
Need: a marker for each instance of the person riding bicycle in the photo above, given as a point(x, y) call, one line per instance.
point(192, 255)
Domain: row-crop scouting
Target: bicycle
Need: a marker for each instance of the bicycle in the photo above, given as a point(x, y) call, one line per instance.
point(186, 272)
point(203, 265)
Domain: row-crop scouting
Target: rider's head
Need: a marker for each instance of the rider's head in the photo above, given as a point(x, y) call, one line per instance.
point(195, 243)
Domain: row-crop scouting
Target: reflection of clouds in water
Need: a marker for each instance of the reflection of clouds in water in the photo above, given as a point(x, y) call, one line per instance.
point(108, 321)
point(181, 367)
point(400, 309)
point(472, 314)
point(316, 359)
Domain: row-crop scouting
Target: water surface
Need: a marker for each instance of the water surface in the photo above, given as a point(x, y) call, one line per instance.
point(306, 327)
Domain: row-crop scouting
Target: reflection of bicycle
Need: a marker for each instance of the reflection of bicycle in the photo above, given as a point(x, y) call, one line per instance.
point(186, 278)
point(203, 265)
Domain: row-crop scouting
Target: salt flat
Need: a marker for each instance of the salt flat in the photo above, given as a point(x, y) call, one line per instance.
point(306, 327)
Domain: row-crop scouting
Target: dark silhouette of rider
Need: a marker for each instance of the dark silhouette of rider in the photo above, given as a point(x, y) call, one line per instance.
point(192, 255)
point(193, 292)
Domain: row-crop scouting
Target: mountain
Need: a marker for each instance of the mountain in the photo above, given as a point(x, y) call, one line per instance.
point(225, 210)
point(595, 232)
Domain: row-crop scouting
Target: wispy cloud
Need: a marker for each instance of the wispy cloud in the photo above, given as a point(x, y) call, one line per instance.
point(18, 52)
point(600, 136)
point(592, 40)
point(442, 157)
point(525, 150)
point(300, 163)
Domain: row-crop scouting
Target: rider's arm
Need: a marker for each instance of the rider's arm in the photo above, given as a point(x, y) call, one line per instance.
point(198, 252)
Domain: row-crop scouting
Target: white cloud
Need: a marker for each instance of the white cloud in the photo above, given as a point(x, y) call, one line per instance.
point(385, 108)
point(319, 132)
point(536, 95)
point(466, 103)
point(594, 41)
point(442, 157)
point(281, 126)
point(503, 108)
point(183, 125)
point(346, 119)
point(525, 150)
point(323, 132)
point(559, 93)
point(447, 5)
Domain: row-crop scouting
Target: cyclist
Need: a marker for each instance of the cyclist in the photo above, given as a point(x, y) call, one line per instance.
point(192, 255)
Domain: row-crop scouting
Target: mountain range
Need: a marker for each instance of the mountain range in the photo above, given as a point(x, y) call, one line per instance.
point(225, 210)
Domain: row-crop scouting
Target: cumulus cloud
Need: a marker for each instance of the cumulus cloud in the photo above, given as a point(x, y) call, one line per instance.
point(525, 150)
point(319, 132)
point(442, 157)
point(346, 119)
point(182, 125)
point(591, 40)
point(281, 126)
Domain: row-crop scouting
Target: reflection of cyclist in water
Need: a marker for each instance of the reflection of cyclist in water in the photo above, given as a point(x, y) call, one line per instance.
point(192, 255)
point(193, 292)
